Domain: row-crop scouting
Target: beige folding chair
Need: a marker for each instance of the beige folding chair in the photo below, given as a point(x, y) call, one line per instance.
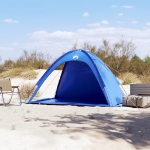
point(6, 88)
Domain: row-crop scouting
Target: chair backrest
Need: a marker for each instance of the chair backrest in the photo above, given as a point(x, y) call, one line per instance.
point(5, 84)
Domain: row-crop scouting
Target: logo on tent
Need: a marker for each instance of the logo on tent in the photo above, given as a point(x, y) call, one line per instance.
point(75, 57)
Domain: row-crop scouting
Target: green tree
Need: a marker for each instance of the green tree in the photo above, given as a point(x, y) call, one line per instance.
point(147, 59)
point(135, 57)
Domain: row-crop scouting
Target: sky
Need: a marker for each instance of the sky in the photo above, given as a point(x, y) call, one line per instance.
point(53, 26)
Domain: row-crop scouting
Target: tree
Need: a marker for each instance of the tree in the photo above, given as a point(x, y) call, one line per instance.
point(116, 56)
point(136, 58)
point(147, 59)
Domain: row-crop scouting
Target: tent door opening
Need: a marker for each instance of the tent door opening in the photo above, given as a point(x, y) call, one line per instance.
point(78, 84)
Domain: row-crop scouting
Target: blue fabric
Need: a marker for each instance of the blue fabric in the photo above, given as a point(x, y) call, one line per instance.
point(85, 79)
point(78, 84)
point(54, 101)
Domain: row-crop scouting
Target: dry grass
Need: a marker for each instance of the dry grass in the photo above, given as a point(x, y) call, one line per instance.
point(34, 59)
point(145, 78)
point(12, 73)
point(27, 90)
point(19, 72)
point(29, 74)
point(129, 78)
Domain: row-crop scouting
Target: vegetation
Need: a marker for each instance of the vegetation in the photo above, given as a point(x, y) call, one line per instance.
point(119, 57)
point(128, 78)
point(27, 89)
point(25, 65)
point(121, 60)
point(19, 72)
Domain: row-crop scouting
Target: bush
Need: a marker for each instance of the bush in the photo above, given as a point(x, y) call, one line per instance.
point(8, 64)
point(128, 78)
point(19, 72)
point(2, 69)
point(116, 56)
point(29, 74)
point(139, 67)
point(145, 78)
point(33, 59)
point(60, 67)
point(27, 90)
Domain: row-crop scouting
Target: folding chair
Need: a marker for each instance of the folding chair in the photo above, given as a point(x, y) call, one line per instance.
point(6, 88)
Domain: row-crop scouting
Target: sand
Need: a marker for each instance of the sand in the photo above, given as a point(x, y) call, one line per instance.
point(50, 127)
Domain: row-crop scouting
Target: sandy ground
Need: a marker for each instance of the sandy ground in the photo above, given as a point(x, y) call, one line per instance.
point(44, 127)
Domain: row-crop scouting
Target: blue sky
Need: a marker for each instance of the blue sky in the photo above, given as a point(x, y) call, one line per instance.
point(55, 25)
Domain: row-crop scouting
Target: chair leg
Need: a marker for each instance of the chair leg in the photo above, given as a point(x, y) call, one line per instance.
point(3, 99)
point(19, 96)
point(2, 96)
point(5, 103)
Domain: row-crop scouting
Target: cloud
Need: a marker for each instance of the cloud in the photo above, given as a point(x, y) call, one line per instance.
point(134, 22)
point(98, 24)
point(14, 44)
point(6, 48)
point(94, 25)
point(104, 22)
point(148, 24)
point(120, 22)
point(127, 6)
point(86, 14)
point(53, 35)
point(120, 14)
point(11, 21)
point(62, 41)
point(113, 6)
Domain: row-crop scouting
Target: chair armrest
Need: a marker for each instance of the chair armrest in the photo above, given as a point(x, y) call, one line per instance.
point(14, 87)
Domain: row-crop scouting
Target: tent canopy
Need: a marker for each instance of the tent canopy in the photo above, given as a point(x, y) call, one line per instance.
point(85, 80)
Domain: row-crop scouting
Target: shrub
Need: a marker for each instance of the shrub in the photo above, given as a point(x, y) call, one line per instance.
point(33, 59)
point(145, 78)
point(27, 90)
point(128, 78)
point(29, 74)
point(16, 72)
point(19, 72)
point(2, 69)
point(116, 56)
point(8, 64)
point(147, 59)
point(60, 67)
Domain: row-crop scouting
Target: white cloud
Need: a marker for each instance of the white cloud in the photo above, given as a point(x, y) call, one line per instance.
point(104, 22)
point(134, 22)
point(120, 22)
point(62, 41)
point(94, 25)
point(53, 36)
point(14, 44)
point(148, 24)
point(6, 48)
point(11, 21)
point(127, 6)
point(86, 14)
point(113, 6)
point(120, 14)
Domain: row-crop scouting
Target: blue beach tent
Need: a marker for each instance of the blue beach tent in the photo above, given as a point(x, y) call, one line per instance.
point(85, 80)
